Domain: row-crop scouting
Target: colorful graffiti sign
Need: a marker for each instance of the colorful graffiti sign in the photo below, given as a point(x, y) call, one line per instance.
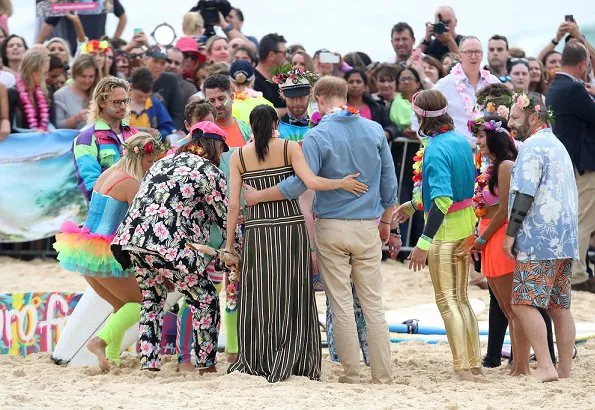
point(31, 322)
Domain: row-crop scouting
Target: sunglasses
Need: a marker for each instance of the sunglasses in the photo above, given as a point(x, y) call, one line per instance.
point(192, 57)
point(504, 78)
point(117, 103)
point(519, 60)
point(134, 56)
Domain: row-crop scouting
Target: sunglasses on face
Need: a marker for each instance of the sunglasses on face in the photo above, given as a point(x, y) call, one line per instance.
point(134, 56)
point(192, 57)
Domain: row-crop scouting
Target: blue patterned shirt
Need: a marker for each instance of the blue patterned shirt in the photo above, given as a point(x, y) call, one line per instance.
point(543, 170)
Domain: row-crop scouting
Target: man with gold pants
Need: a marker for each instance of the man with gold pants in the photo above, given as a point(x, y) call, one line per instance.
point(444, 177)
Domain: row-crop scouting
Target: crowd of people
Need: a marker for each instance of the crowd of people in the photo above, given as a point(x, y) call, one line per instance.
point(293, 166)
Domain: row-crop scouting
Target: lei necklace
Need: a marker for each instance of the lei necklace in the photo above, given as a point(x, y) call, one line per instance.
point(460, 77)
point(341, 110)
point(231, 292)
point(417, 198)
point(42, 105)
point(481, 182)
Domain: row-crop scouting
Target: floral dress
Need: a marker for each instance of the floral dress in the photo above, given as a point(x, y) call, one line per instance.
point(179, 199)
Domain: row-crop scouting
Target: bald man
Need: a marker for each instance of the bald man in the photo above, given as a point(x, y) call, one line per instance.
point(437, 43)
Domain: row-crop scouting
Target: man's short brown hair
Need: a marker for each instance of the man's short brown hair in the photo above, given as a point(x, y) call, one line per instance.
point(198, 109)
point(330, 87)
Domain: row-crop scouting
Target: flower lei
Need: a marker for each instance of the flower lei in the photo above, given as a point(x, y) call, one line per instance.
point(481, 182)
point(460, 77)
point(341, 110)
point(418, 158)
point(94, 47)
point(231, 291)
point(42, 106)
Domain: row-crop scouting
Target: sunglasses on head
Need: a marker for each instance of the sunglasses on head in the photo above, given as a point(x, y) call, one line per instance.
point(136, 55)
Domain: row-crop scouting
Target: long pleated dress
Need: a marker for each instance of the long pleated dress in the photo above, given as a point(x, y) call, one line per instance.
point(278, 321)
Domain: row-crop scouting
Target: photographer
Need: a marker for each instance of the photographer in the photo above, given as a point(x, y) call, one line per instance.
point(441, 37)
point(221, 13)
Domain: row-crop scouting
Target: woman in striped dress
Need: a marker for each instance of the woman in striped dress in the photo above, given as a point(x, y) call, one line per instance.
point(278, 321)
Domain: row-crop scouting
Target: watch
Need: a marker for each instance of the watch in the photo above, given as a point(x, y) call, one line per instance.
point(554, 42)
point(227, 28)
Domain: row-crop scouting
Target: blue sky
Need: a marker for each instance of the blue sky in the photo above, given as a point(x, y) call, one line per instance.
point(356, 25)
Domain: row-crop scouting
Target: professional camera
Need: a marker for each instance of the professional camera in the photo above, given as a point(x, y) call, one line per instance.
point(209, 10)
point(440, 27)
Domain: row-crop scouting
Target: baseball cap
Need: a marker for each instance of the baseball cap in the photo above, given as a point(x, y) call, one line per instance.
point(156, 53)
point(187, 44)
point(208, 129)
point(241, 71)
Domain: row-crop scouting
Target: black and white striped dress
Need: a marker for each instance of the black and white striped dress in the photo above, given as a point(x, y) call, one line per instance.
point(278, 321)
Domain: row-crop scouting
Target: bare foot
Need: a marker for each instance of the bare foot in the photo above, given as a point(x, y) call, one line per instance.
point(476, 371)
point(545, 375)
point(463, 375)
point(204, 371)
point(97, 347)
point(186, 367)
point(520, 371)
point(232, 357)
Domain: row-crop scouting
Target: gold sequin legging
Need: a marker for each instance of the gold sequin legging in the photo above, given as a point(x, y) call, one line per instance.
point(449, 275)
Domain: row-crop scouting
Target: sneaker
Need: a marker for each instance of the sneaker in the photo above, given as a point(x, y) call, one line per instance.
point(586, 286)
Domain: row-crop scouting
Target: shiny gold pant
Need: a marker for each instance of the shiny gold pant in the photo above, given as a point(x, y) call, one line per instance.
point(449, 275)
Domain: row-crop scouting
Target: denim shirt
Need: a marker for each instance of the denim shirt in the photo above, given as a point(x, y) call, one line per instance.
point(341, 145)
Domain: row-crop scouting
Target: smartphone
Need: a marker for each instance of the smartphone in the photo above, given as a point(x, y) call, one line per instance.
point(569, 17)
point(137, 31)
point(329, 58)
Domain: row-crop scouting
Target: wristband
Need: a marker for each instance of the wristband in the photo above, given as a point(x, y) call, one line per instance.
point(424, 243)
point(554, 42)
point(386, 223)
point(228, 28)
point(481, 240)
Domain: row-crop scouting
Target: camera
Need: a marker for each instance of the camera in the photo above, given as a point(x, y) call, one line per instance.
point(209, 10)
point(440, 27)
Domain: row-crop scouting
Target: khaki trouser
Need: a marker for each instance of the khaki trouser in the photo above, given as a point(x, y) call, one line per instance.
point(351, 250)
point(585, 185)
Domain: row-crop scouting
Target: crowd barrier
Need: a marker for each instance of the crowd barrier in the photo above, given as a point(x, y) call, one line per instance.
point(38, 190)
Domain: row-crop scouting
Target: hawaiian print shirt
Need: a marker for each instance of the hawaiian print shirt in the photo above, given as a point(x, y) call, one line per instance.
point(543, 170)
point(177, 202)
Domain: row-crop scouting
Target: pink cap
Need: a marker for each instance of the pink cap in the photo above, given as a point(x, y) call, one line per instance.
point(209, 130)
point(188, 44)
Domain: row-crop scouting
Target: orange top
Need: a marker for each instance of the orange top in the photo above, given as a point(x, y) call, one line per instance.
point(234, 135)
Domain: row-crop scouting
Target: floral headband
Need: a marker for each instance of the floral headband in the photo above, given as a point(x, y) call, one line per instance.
point(526, 102)
point(152, 147)
point(425, 114)
point(286, 72)
point(95, 46)
point(475, 126)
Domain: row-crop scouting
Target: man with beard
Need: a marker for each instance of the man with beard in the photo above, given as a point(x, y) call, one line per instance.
point(402, 39)
point(173, 64)
point(542, 234)
point(296, 122)
point(99, 145)
point(217, 89)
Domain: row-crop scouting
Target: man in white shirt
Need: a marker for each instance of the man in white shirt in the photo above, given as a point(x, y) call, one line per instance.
point(461, 85)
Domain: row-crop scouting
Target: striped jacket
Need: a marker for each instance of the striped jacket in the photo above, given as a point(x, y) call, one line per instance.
point(95, 149)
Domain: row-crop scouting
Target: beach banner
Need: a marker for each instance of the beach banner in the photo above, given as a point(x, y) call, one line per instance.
point(54, 8)
point(38, 189)
point(31, 322)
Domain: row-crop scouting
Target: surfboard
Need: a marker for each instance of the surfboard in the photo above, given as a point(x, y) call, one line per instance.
point(87, 319)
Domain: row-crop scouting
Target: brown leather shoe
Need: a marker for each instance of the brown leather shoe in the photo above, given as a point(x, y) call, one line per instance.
point(586, 286)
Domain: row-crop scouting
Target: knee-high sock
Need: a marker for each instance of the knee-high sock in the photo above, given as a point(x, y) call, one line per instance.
point(185, 338)
point(117, 324)
point(230, 320)
point(497, 333)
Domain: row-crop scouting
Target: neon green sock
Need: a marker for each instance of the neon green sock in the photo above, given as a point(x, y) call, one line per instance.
point(231, 331)
point(117, 324)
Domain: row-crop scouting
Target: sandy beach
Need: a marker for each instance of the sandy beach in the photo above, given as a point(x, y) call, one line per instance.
point(421, 372)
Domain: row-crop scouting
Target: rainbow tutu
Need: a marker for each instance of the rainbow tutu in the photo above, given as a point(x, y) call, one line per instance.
point(81, 251)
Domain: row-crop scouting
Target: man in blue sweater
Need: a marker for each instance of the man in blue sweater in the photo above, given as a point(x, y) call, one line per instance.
point(347, 235)
point(571, 100)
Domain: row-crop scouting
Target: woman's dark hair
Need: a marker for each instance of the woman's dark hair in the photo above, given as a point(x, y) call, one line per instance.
point(390, 71)
point(262, 119)
point(211, 149)
point(434, 63)
point(246, 50)
point(501, 146)
point(511, 62)
point(359, 71)
point(4, 45)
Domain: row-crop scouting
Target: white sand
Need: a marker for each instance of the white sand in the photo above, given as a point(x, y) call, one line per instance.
point(421, 372)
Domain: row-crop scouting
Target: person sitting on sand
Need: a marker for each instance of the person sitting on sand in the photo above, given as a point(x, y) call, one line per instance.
point(443, 190)
point(178, 201)
point(542, 234)
point(87, 250)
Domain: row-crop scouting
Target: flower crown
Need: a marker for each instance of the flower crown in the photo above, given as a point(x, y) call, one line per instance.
point(152, 147)
point(95, 46)
point(282, 73)
point(475, 126)
point(526, 102)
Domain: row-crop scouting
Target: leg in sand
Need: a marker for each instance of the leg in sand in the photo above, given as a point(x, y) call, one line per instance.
point(559, 310)
point(185, 338)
